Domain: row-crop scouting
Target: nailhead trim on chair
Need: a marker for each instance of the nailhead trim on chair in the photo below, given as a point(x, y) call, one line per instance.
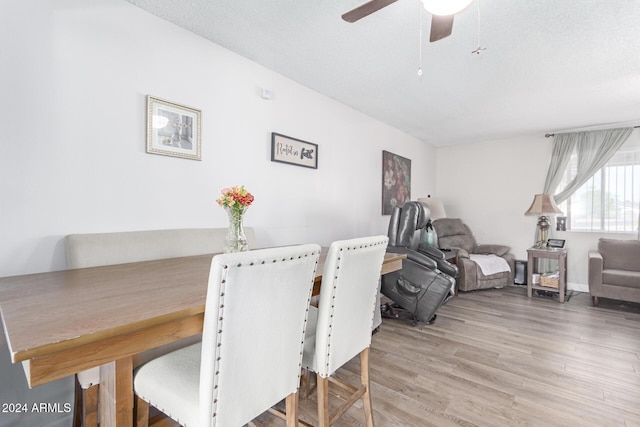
point(304, 329)
point(333, 294)
point(219, 334)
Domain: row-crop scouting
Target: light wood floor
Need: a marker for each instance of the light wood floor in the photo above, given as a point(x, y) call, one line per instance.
point(496, 358)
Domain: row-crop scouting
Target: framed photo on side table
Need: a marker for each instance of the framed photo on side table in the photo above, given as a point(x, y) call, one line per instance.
point(555, 243)
point(173, 129)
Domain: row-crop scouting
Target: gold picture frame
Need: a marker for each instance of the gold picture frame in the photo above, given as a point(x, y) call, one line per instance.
point(173, 129)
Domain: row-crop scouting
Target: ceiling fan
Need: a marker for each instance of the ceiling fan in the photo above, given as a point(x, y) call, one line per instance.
point(442, 13)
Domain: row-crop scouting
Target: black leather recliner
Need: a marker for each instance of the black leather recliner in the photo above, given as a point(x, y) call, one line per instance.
point(426, 280)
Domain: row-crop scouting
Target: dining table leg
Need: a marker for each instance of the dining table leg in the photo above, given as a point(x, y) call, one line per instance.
point(116, 393)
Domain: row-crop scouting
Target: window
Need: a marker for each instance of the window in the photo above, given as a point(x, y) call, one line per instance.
point(610, 200)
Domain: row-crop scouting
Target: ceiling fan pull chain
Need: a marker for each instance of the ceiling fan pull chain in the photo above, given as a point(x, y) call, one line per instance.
point(479, 48)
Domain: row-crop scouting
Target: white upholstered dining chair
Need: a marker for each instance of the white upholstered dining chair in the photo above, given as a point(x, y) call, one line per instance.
point(340, 327)
point(252, 343)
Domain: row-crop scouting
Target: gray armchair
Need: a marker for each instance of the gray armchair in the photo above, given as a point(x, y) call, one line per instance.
point(614, 270)
point(454, 234)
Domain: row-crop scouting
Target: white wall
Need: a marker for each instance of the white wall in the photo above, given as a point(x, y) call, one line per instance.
point(490, 186)
point(77, 163)
point(73, 86)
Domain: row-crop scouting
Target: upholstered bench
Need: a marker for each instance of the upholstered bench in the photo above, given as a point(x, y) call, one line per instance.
point(91, 250)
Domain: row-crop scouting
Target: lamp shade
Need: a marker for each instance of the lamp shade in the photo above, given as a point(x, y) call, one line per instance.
point(543, 204)
point(445, 7)
point(436, 207)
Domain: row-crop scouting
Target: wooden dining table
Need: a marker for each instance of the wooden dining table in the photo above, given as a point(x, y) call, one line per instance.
point(63, 322)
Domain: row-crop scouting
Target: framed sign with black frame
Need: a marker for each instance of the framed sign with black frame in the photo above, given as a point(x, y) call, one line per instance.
point(555, 243)
point(285, 149)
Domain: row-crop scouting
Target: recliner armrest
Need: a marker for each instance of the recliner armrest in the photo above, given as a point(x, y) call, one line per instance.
point(443, 265)
point(461, 253)
point(430, 251)
point(499, 250)
point(415, 256)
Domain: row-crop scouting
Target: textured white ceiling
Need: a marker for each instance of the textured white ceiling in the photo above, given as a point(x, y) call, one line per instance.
point(549, 65)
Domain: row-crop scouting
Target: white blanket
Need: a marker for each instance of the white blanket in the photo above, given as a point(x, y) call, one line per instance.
point(490, 264)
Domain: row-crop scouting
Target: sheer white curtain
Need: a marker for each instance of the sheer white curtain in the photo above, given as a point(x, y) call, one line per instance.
point(593, 148)
point(563, 146)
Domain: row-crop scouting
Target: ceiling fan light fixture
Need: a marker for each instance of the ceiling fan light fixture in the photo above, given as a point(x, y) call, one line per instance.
point(445, 7)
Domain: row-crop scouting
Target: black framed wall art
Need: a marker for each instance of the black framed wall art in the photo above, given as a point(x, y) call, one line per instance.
point(285, 149)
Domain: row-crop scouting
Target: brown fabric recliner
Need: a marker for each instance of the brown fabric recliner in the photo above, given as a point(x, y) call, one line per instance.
point(614, 270)
point(454, 234)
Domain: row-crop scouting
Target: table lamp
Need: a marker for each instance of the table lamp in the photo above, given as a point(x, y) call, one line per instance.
point(543, 204)
point(436, 207)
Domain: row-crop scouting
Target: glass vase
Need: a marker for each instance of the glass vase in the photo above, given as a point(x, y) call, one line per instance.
point(236, 240)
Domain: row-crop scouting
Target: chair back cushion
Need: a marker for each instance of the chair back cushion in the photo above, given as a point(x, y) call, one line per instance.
point(347, 301)
point(91, 250)
point(407, 224)
point(394, 222)
point(252, 342)
point(620, 254)
point(453, 233)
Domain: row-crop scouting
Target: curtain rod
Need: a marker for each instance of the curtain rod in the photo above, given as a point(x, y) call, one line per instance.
point(547, 135)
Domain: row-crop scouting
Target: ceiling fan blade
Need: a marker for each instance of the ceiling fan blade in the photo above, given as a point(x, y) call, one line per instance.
point(366, 9)
point(441, 27)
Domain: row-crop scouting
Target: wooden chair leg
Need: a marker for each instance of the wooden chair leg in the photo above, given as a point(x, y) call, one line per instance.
point(291, 407)
point(305, 379)
point(350, 395)
point(364, 380)
point(141, 412)
point(323, 401)
point(90, 398)
point(77, 411)
point(85, 413)
point(307, 383)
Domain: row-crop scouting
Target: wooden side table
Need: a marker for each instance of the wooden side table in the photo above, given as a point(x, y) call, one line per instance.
point(451, 256)
point(532, 267)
